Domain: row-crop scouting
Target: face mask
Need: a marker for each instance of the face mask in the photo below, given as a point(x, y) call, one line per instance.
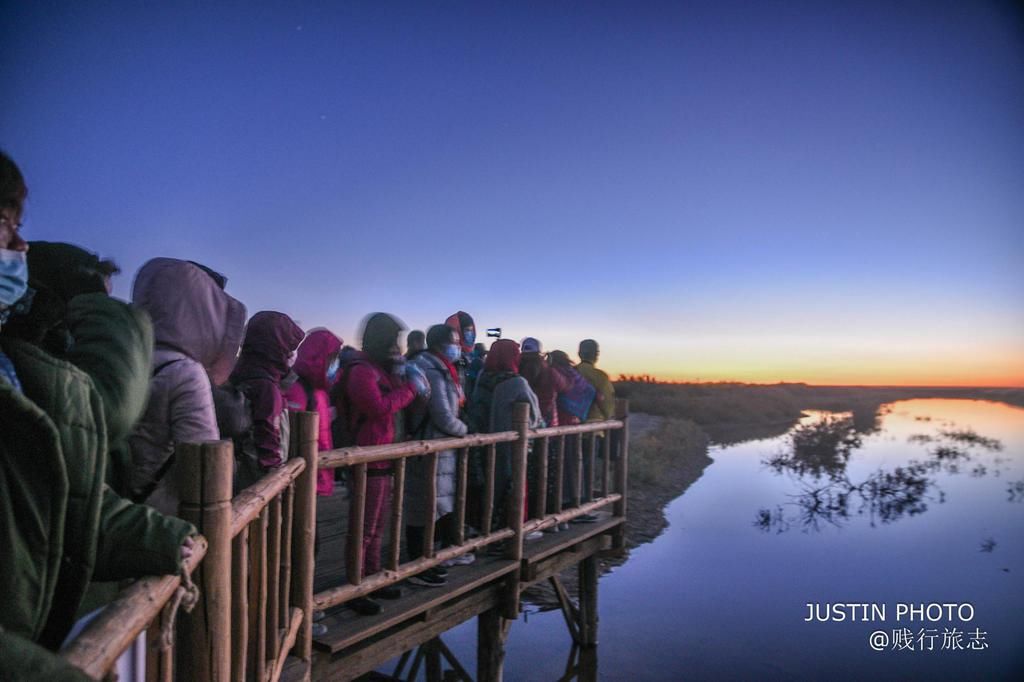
point(469, 336)
point(452, 352)
point(332, 370)
point(13, 276)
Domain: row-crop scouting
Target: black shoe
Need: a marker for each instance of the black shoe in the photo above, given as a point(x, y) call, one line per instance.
point(586, 518)
point(365, 606)
point(428, 579)
point(439, 571)
point(389, 592)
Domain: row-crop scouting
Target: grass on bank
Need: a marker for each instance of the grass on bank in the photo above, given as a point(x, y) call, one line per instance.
point(655, 457)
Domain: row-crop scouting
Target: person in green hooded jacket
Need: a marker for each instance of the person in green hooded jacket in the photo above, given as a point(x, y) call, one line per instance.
point(61, 526)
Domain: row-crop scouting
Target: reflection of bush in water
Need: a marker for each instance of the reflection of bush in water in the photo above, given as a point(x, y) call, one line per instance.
point(820, 448)
point(885, 496)
point(970, 437)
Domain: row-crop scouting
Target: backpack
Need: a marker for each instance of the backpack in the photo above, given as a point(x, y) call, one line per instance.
point(234, 419)
point(580, 396)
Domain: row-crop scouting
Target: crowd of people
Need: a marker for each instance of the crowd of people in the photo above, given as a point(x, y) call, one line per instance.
point(96, 393)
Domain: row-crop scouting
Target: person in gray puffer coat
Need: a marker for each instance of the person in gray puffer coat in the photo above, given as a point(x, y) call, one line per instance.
point(438, 418)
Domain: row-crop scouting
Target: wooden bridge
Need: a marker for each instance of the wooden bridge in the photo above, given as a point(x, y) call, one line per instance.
point(260, 582)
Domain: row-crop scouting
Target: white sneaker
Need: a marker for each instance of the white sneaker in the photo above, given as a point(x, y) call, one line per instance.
point(535, 535)
point(318, 616)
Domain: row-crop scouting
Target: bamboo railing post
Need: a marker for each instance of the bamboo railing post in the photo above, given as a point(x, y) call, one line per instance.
point(357, 511)
point(159, 658)
point(258, 596)
point(397, 492)
point(287, 533)
point(461, 469)
point(559, 474)
point(606, 462)
point(577, 466)
point(621, 470)
point(304, 442)
point(205, 483)
point(240, 605)
point(520, 448)
point(431, 506)
point(591, 462)
point(273, 578)
point(540, 496)
point(487, 518)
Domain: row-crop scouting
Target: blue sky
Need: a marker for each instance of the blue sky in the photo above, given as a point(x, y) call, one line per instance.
point(825, 192)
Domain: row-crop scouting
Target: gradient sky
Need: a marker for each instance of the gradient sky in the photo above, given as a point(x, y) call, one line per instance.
point(822, 192)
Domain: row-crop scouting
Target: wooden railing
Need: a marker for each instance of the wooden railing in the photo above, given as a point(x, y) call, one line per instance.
point(253, 566)
point(140, 605)
point(546, 510)
point(253, 562)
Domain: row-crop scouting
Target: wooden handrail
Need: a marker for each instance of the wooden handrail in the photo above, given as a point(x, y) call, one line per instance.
point(365, 454)
point(248, 504)
point(567, 515)
point(588, 427)
point(101, 643)
point(341, 594)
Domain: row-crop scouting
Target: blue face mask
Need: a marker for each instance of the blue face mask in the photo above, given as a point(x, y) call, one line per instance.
point(469, 336)
point(13, 276)
point(332, 370)
point(452, 352)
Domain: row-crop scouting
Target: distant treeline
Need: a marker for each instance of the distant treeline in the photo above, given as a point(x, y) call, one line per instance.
point(733, 411)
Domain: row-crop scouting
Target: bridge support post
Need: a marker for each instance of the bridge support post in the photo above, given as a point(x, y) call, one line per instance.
point(490, 645)
point(588, 601)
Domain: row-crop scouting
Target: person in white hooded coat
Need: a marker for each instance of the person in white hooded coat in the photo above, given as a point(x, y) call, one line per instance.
point(438, 418)
point(198, 329)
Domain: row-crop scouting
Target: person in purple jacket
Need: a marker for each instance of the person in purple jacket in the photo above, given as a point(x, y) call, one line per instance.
point(267, 353)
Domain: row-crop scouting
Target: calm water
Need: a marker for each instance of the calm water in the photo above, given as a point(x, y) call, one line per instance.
point(920, 511)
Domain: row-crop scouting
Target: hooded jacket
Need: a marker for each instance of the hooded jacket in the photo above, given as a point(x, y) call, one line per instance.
point(62, 525)
point(440, 417)
point(546, 382)
point(313, 357)
point(269, 341)
point(370, 398)
point(62, 320)
point(197, 329)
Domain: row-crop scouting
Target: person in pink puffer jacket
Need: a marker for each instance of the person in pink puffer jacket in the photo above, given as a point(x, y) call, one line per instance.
point(316, 365)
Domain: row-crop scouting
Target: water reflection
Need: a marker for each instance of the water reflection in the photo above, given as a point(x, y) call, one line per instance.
point(581, 665)
point(818, 456)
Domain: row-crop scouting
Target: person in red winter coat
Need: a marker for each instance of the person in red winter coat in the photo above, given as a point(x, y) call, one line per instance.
point(369, 396)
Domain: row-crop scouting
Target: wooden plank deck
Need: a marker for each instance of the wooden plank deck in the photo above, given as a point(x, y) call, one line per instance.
point(346, 628)
point(356, 644)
